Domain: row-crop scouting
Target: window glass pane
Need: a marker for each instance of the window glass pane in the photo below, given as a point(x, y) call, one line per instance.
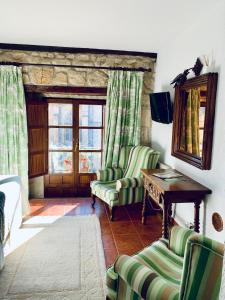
point(89, 162)
point(90, 115)
point(60, 162)
point(60, 138)
point(90, 139)
point(60, 114)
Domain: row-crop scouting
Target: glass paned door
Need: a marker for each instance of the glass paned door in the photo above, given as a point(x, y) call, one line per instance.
point(60, 179)
point(75, 139)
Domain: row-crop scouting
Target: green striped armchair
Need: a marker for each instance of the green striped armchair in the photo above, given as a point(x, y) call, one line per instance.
point(187, 267)
point(124, 185)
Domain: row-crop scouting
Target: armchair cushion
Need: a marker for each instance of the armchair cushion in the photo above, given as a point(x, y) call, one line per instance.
point(106, 191)
point(144, 281)
point(163, 261)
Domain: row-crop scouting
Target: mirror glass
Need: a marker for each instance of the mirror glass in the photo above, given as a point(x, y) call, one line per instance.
point(193, 120)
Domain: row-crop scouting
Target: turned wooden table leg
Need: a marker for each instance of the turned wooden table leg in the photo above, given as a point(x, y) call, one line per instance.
point(93, 200)
point(143, 218)
point(170, 213)
point(165, 231)
point(112, 213)
point(196, 219)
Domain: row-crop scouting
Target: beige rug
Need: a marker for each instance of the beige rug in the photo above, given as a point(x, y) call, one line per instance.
point(62, 259)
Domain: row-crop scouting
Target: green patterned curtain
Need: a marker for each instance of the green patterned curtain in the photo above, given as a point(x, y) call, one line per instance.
point(123, 114)
point(13, 129)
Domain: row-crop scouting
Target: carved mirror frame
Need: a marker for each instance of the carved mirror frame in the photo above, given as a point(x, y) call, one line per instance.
point(210, 81)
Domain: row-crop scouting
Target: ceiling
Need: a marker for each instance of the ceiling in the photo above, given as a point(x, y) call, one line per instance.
point(141, 25)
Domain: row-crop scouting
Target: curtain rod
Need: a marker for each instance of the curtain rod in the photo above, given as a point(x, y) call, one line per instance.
point(17, 64)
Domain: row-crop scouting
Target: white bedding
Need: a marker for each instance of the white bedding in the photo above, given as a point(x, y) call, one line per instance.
point(10, 186)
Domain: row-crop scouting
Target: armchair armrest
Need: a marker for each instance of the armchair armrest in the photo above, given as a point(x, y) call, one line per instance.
point(202, 268)
point(164, 241)
point(178, 239)
point(109, 174)
point(145, 282)
point(129, 183)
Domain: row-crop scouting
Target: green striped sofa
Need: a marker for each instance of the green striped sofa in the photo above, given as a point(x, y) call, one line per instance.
point(187, 267)
point(124, 185)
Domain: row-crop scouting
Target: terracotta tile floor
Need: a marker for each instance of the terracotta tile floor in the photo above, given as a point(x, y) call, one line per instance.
point(126, 235)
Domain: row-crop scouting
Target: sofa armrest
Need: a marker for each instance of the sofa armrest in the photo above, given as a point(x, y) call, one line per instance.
point(145, 282)
point(109, 174)
point(129, 183)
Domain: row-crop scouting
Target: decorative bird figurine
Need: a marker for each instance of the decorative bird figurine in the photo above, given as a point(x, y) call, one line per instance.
point(181, 78)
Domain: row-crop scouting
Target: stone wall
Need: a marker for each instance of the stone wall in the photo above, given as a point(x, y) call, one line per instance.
point(38, 75)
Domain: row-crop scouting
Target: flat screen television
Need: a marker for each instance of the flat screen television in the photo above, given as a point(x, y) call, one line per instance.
point(161, 107)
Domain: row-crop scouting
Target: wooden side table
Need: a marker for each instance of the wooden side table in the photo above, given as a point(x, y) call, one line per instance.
point(164, 192)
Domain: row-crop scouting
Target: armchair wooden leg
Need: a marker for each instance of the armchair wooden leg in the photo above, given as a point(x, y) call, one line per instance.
point(112, 213)
point(93, 200)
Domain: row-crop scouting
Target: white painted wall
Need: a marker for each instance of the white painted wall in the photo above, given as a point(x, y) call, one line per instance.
point(140, 25)
point(205, 35)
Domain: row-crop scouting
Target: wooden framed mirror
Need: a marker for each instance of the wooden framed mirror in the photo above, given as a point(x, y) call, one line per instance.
point(193, 120)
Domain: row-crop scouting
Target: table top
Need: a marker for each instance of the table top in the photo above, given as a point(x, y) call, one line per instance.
point(180, 184)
